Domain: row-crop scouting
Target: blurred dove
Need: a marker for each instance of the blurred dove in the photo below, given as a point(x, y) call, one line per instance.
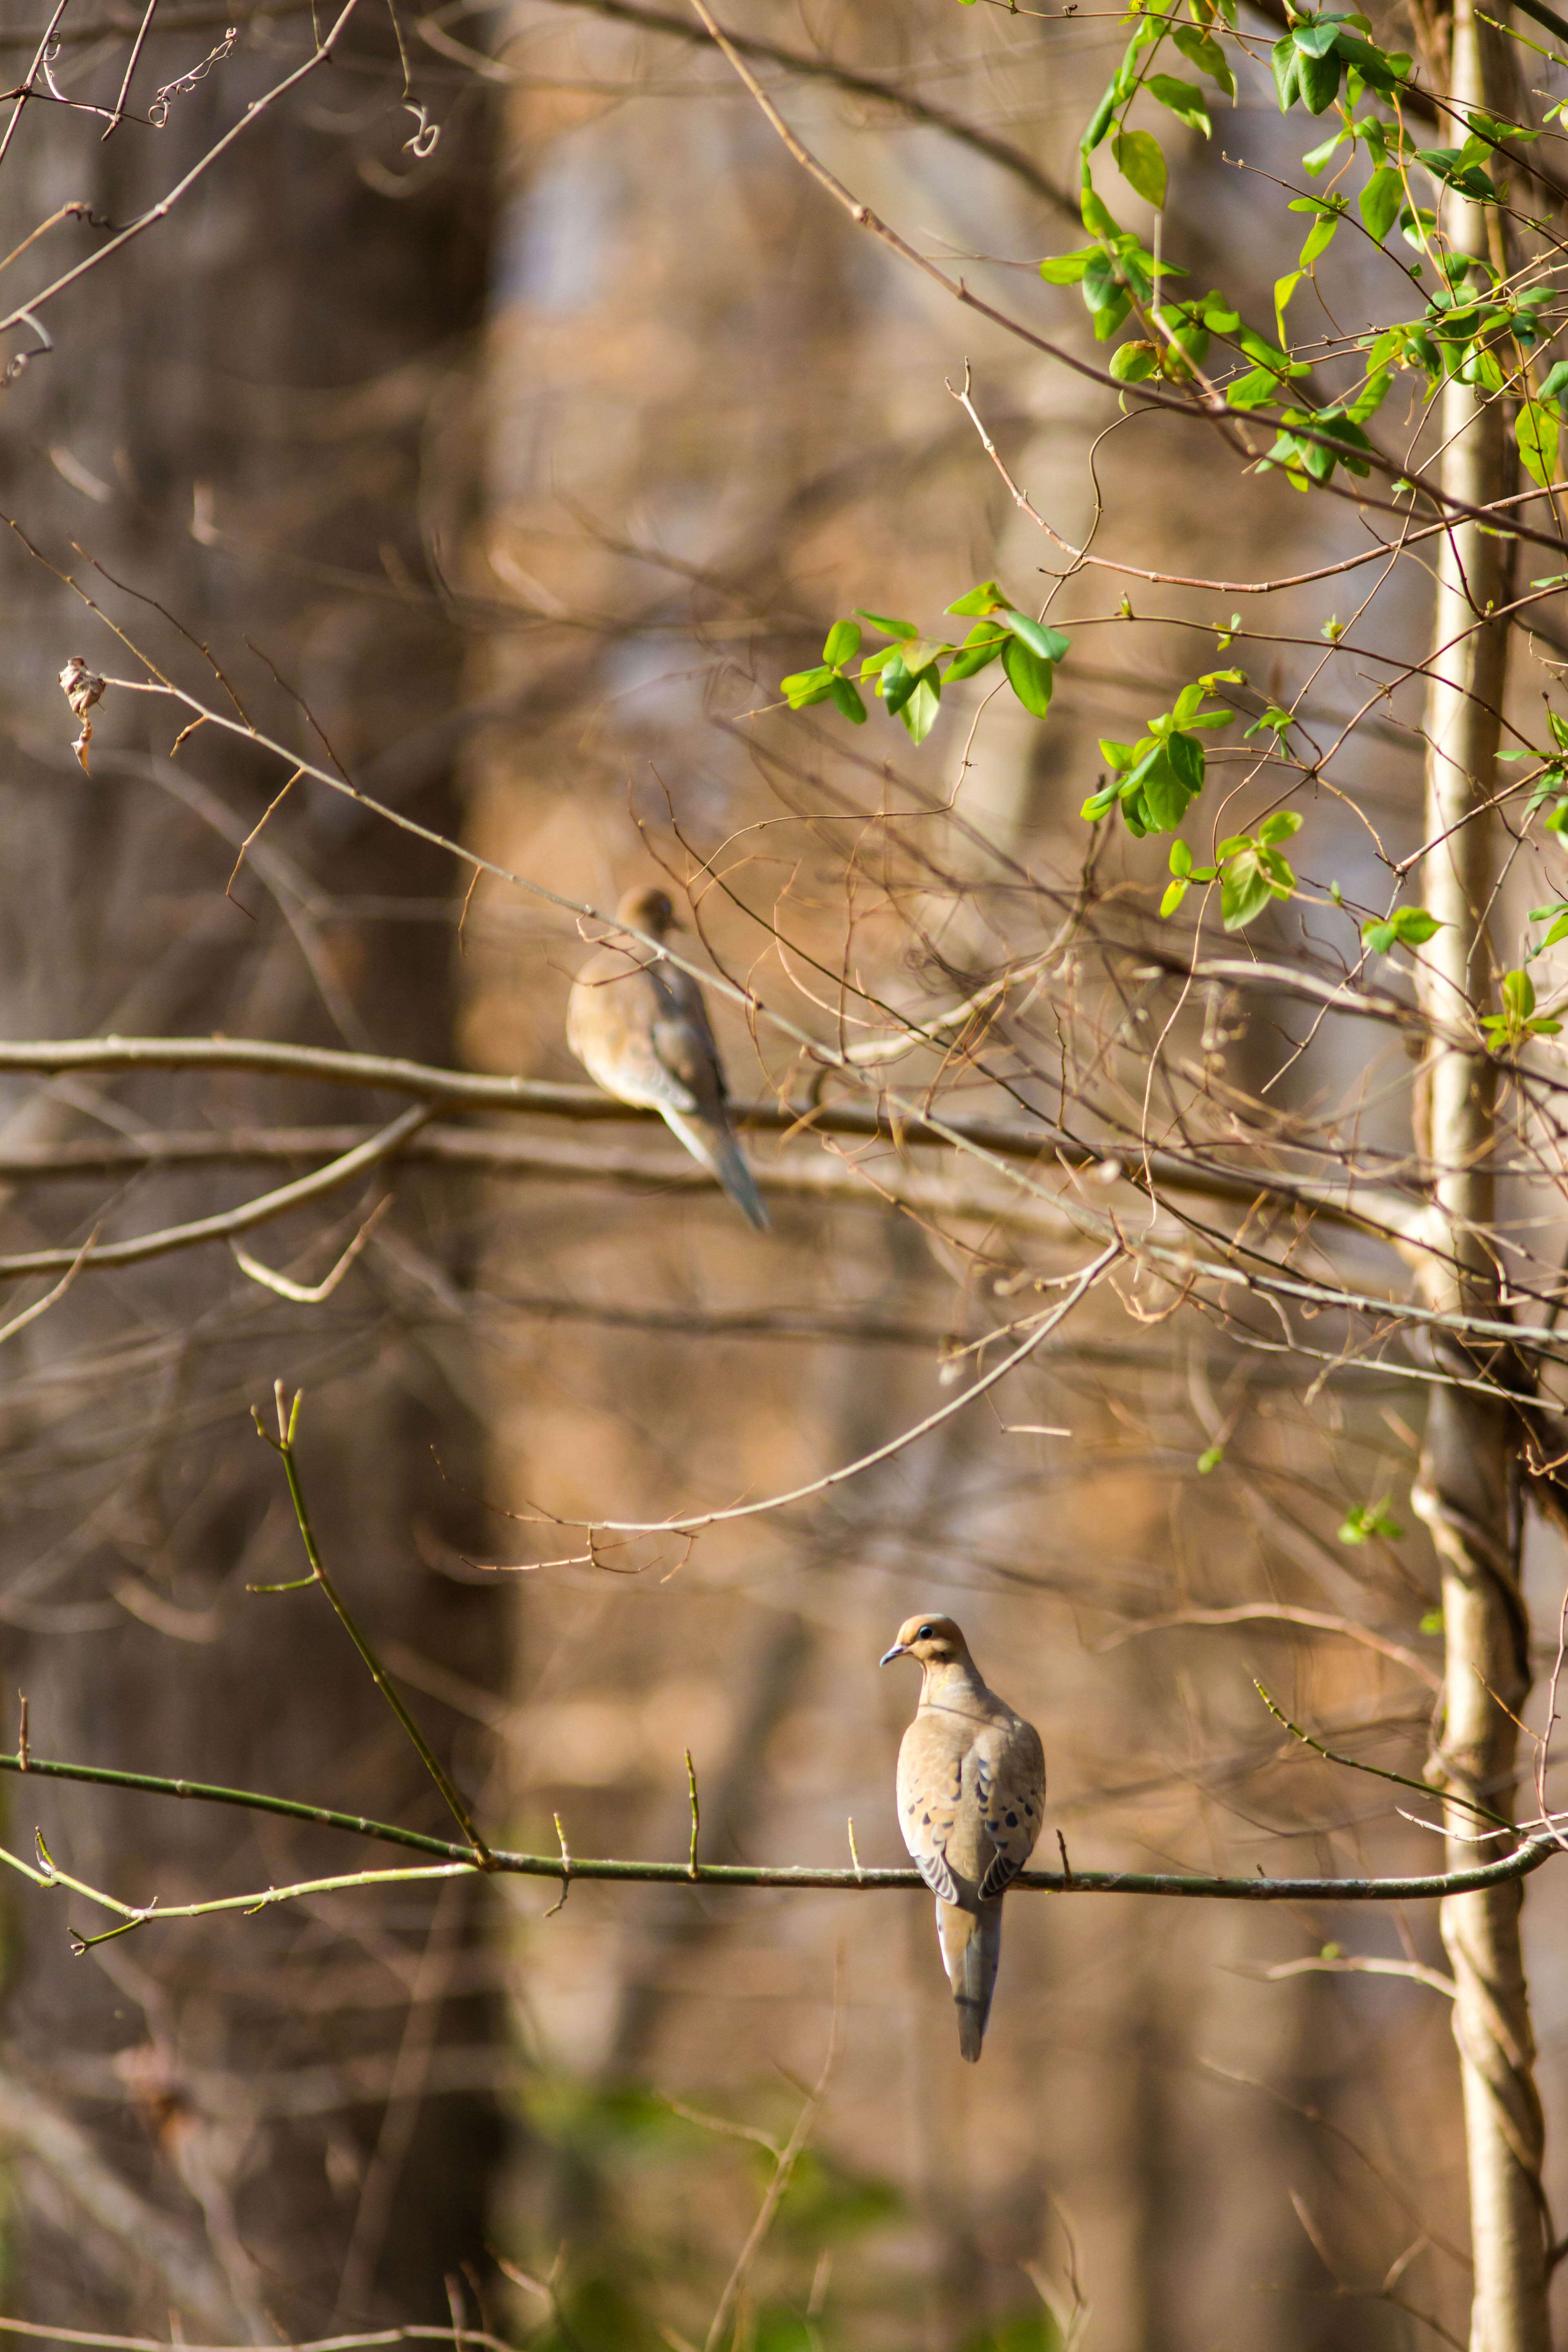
point(639, 1025)
point(971, 1793)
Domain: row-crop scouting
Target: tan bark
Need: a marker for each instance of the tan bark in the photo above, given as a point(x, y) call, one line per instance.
point(1466, 1488)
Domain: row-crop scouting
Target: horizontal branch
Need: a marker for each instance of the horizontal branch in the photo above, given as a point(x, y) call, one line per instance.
point(372, 2340)
point(1378, 1210)
point(566, 1867)
point(380, 1144)
point(1058, 1215)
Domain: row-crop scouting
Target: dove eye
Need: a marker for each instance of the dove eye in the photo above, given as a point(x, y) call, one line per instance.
point(925, 1633)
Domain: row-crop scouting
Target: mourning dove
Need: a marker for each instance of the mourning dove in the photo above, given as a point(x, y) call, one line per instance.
point(639, 1025)
point(971, 1793)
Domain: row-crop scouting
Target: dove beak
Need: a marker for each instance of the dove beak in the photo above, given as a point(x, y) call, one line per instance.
point(898, 1650)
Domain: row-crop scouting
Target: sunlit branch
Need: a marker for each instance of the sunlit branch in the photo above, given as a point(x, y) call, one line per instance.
point(1526, 1858)
point(1338, 1199)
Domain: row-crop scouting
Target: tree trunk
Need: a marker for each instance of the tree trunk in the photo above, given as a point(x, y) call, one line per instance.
point(1467, 1490)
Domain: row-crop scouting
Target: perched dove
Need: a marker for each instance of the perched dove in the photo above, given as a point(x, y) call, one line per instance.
point(639, 1025)
point(971, 1793)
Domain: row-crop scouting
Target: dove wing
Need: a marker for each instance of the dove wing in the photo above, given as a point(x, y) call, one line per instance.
point(617, 1024)
point(684, 1043)
point(1010, 1783)
point(930, 1789)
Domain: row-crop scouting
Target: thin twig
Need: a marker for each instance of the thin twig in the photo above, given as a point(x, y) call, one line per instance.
point(283, 1445)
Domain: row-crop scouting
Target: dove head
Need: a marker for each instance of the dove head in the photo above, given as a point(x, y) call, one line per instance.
point(935, 1643)
point(649, 908)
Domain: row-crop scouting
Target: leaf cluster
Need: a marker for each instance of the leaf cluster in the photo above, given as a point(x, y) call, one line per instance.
point(1251, 869)
point(1156, 779)
point(912, 670)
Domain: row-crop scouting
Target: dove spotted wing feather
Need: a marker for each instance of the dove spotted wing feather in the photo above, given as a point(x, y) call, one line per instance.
point(930, 1786)
point(640, 1026)
point(1010, 1783)
point(971, 1796)
point(613, 1024)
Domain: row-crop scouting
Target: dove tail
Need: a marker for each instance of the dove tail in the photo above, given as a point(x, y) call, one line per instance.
point(716, 1147)
point(971, 1949)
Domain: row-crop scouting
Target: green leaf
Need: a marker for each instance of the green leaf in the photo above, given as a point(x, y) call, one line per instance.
point(1517, 994)
point(1181, 859)
point(1536, 432)
point(1028, 675)
point(1131, 362)
point(843, 644)
point(1257, 388)
point(1278, 827)
point(1321, 235)
point(1283, 290)
point(846, 698)
point(919, 712)
point(889, 628)
point(1409, 927)
point(1555, 388)
point(1185, 323)
point(1210, 1459)
point(1245, 890)
point(1285, 58)
point(1370, 399)
point(1451, 164)
point(804, 687)
point(1319, 82)
point(903, 677)
point(1186, 757)
point(1322, 157)
point(1165, 797)
point(1368, 1519)
point(918, 653)
point(987, 598)
point(1381, 69)
point(1066, 270)
point(1099, 123)
point(1183, 98)
point(1201, 49)
point(981, 646)
point(1108, 321)
point(1141, 164)
point(1274, 717)
point(1379, 202)
point(1175, 892)
point(1096, 218)
point(1102, 282)
point(1049, 643)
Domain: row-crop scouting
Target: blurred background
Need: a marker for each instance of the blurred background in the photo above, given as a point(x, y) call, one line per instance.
point(505, 471)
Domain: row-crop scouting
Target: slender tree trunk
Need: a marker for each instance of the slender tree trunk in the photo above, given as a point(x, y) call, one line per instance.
point(1465, 1492)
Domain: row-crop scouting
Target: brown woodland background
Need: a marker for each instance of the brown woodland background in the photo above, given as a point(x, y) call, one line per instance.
point(526, 470)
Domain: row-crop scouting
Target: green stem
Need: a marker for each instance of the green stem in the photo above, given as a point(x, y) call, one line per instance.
point(1517, 1865)
point(1378, 1771)
point(283, 1445)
